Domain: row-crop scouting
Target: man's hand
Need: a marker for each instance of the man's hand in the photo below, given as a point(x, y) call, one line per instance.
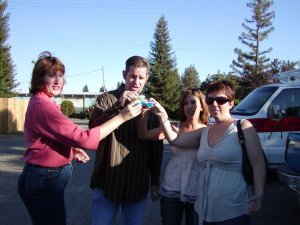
point(127, 97)
point(80, 156)
point(154, 193)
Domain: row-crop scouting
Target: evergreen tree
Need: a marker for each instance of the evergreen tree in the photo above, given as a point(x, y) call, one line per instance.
point(7, 71)
point(119, 84)
point(102, 89)
point(220, 76)
point(190, 78)
point(254, 66)
point(85, 88)
point(164, 80)
point(282, 65)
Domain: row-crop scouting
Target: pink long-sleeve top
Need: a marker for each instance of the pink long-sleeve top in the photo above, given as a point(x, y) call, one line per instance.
point(50, 135)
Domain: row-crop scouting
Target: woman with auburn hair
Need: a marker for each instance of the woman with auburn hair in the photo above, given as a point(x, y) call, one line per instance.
point(52, 141)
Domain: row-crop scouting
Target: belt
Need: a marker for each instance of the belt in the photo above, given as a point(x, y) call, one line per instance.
point(46, 167)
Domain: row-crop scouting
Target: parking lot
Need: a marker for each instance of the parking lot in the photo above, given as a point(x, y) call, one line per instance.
point(279, 204)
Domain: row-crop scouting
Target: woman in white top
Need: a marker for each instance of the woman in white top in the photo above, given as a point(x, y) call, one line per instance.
point(224, 197)
point(181, 178)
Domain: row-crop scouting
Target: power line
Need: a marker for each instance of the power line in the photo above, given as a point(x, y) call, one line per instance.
point(75, 75)
point(84, 73)
point(146, 9)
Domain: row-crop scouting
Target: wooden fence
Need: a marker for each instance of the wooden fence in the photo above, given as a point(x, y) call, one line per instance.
point(12, 115)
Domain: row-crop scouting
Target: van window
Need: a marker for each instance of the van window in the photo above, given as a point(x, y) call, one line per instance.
point(289, 102)
point(253, 102)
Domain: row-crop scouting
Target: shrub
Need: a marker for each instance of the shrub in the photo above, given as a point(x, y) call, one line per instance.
point(67, 108)
point(88, 111)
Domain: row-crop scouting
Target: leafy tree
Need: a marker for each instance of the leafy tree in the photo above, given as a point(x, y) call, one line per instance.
point(190, 78)
point(85, 88)
point(67, 108)
point(7, 70)
point(88, 111)
point(253, 66)
point(164, 80)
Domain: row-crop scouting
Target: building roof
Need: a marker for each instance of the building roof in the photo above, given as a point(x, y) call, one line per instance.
point(69, 94)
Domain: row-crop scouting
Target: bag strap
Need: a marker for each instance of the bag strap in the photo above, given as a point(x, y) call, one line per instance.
point(241, 136)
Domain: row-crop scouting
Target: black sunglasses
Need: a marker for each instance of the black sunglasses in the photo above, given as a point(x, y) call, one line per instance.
point(219, 100)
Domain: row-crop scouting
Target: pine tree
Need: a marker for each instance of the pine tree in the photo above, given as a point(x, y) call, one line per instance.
point(119, 84)
point(254, 66)
point(282, 65)
point(85, 88)
point(164, 80)
point(190, 78)
point(218, 77)
point(102, 89)
point(7, 71)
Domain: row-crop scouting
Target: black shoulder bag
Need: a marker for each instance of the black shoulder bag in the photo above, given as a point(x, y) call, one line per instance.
point(247, 168)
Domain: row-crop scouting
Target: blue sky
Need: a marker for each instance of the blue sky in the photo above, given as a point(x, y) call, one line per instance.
point(87, 35)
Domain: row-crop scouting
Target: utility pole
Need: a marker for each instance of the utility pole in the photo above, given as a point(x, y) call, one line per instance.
point(103, 79)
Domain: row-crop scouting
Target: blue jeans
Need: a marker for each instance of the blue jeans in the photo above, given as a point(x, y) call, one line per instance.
point(42, 191)
point(240, 220)
point(172, 209)
point(105, 211)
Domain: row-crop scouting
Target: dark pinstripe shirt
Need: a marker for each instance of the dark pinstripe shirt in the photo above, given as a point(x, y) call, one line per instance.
point(124, 166)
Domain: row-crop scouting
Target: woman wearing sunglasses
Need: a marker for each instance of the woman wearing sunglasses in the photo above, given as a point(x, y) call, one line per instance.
point(224, 197)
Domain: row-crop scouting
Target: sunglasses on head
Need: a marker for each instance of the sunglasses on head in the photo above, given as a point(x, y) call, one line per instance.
point(193, 90)
point(219, 100)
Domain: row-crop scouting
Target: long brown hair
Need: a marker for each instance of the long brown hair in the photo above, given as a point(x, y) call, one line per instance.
point(204, 115)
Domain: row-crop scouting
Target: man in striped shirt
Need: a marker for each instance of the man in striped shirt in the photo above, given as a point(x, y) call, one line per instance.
point(125, 166)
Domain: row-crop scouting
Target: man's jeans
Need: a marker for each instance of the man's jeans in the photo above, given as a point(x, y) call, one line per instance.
point(42, 192)
point(172, 209)
point(105, 211)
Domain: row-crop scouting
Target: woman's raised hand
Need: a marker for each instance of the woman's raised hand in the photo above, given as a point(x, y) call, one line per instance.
point(159, 110)
point(131, 110)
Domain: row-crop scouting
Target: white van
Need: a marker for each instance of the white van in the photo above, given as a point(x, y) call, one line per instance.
point(274, 110)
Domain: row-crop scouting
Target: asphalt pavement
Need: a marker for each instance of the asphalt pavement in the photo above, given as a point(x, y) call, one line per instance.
point(279, 204)
point(78, 194)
